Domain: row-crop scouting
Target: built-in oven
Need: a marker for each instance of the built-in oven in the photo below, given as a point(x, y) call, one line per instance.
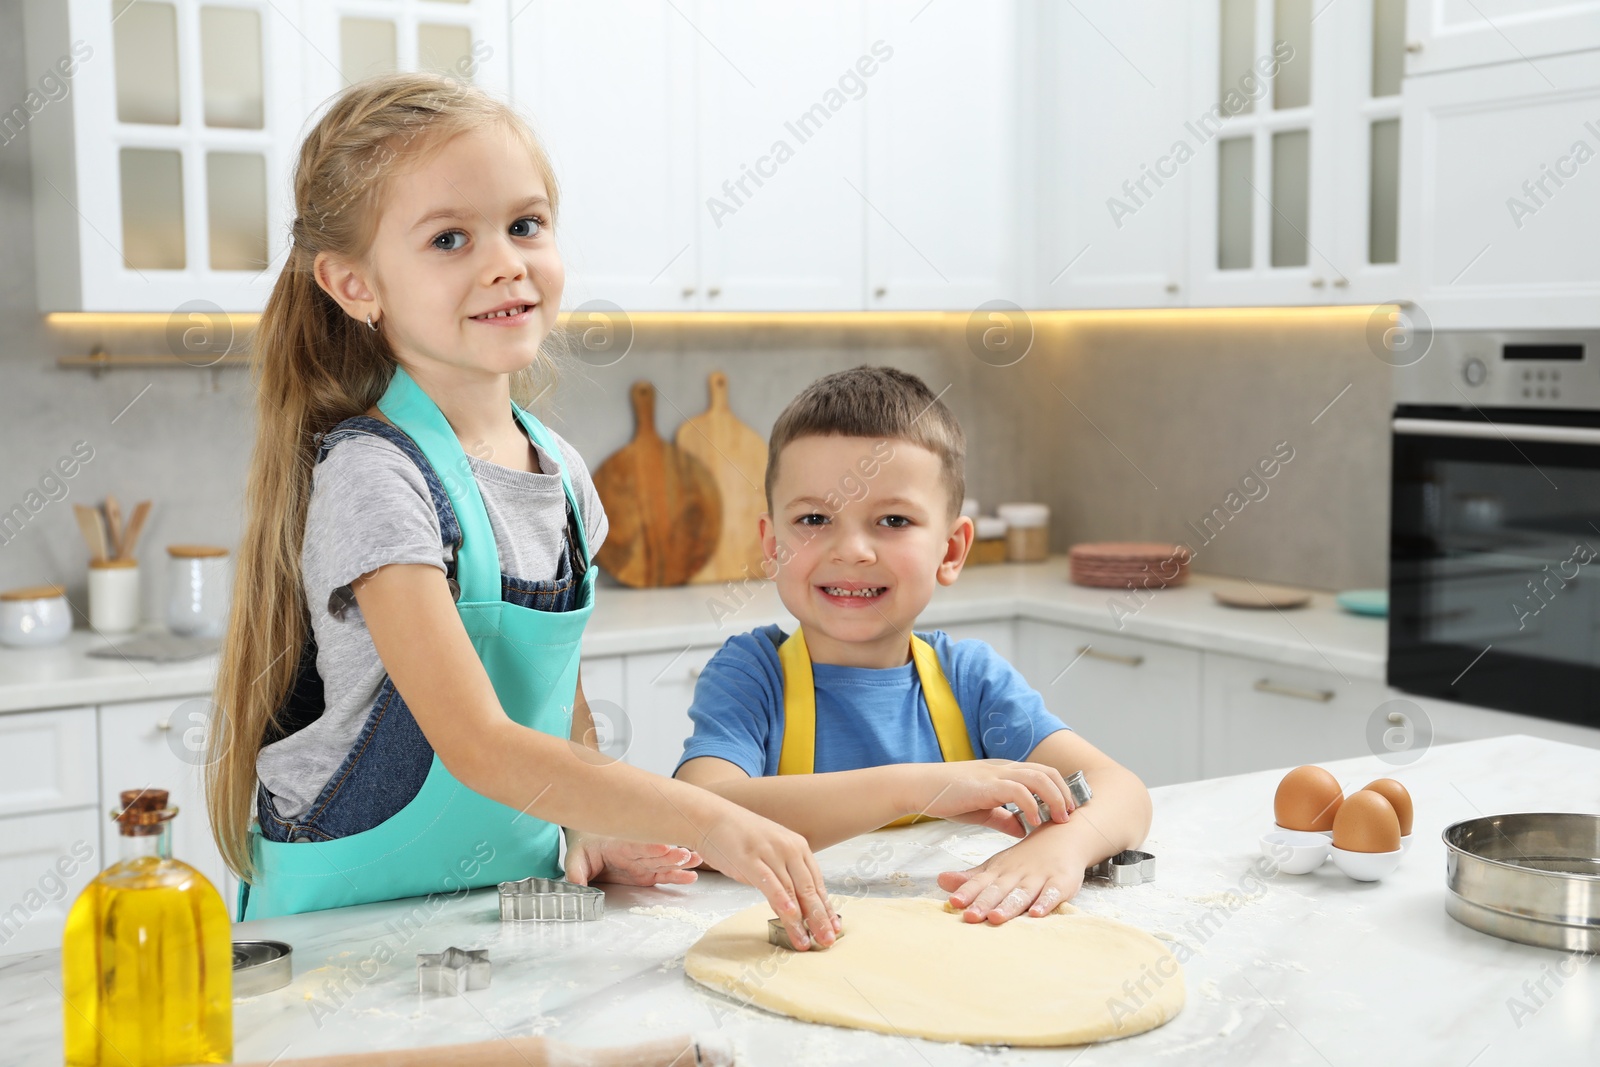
point(1494, 550)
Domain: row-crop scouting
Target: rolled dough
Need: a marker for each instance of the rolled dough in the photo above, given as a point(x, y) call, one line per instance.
point(911, 967)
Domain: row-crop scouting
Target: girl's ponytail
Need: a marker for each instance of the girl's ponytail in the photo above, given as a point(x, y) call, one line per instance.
point(315, 366)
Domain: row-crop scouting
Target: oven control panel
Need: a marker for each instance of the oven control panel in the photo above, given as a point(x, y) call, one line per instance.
point(1505, 368)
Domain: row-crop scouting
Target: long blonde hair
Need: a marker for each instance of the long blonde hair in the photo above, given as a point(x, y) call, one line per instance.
point(315, 366)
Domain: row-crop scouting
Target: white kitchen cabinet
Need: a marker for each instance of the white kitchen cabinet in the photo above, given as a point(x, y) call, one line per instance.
point(159, 174)
point(45, 861)
point(1258, 715)
point(349, 40)
point(1451, 34)
point(47, 760)
point(1496, 185)
point(944, 113)
point(1113, 155)
point(609, 88)
point(1137, 701)
point(780, 176)
point(1262, 220)
point(659, 688)
point(605, 688)
point(160, 744)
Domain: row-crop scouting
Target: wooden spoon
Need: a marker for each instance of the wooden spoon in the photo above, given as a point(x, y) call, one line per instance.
point(92, 526)
point(114, 525)
point(130, 536)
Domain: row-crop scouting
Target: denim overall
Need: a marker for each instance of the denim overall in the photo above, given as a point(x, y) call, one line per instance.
point(374, 833)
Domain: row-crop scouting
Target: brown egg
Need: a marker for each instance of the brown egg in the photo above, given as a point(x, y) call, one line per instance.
point(1366, 823)
point(1398, 799)
point(1307, 799)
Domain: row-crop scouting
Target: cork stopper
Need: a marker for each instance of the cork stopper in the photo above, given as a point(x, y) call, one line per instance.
point(143, 812)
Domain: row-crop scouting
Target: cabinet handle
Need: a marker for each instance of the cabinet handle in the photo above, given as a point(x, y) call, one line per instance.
point(164, 723)
point(1413, 46)
point(1318, 283)
point(880, 292)
point(688, 291)
point(1110, 657)
point(1172, 287)
point(1267, 685)
point(714, 291)
point(1340, 283)
point(694, 673)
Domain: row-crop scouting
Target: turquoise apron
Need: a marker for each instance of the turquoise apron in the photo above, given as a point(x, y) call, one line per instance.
point(436, 843)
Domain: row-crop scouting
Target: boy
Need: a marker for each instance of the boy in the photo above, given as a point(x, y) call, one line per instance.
point(853, 721)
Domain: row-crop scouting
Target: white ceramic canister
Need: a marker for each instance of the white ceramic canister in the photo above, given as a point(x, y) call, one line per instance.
point(1027, 532)
point(197, 590)
point(113, 595)
point(33, 617)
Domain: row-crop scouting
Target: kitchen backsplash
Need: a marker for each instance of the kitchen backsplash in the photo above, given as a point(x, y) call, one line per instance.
point(1129, 427)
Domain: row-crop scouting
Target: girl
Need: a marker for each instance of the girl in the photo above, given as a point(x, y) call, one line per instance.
point(399, 683)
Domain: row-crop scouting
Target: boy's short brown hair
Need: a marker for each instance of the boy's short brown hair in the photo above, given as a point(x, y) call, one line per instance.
point(880, 403)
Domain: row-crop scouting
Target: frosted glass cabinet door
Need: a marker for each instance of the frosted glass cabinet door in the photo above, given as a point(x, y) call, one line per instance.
point(1452, 34)
point(166, 185)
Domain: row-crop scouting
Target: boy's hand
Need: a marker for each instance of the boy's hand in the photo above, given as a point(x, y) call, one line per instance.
point(1035, 875)
point(592, 858)
point(973, 790)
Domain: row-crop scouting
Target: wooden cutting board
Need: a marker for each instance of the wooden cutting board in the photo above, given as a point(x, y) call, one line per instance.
point(737, 458)
point(662, 504)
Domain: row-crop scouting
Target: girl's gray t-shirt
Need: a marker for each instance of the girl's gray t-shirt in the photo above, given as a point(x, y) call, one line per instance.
point(370, 507)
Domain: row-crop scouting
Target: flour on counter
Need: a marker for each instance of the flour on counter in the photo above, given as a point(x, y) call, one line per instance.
point(684, 915)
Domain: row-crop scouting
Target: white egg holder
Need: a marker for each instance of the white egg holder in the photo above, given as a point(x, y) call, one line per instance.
point(1309, 849)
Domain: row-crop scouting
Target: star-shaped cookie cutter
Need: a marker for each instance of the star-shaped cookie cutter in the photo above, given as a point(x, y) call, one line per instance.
point(550, 900)
point(452, 971)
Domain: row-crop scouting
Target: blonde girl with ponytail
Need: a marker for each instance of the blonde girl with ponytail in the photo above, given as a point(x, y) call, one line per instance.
point(399, 699)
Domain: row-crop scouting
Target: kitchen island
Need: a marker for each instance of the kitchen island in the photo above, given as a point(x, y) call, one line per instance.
point(1280, 969)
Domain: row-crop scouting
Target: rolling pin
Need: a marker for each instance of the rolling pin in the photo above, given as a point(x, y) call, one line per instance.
point(680, 1051)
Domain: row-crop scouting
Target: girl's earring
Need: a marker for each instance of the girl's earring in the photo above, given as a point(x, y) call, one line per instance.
point(370, 325)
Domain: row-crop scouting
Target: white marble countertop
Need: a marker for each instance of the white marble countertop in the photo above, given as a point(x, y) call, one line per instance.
point(1319, 636)
point(1313, 969)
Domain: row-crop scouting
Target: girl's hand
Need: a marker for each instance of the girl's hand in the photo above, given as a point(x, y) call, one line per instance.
point(778, 862)
point(973, 790)
point(1036, 875)
point(592, 858)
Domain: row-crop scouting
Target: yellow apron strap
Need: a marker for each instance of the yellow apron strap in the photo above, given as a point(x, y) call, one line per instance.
point(798, 754)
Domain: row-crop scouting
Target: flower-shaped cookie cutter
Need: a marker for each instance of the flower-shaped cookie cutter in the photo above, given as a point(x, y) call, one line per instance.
point(1128, 867)
point(550, 900)
point(452, 971)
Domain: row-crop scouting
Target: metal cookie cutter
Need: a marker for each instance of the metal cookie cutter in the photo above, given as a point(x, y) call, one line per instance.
point(549, 900)
point(1128, 867)
point(1077, 788)
point(777, 935)
point(452, 971)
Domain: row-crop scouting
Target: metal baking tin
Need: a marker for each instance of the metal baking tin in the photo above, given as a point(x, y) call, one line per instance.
point(1531, 877)
point(550, 900)
point(777, 935)
point(1128, 867)
point(260, 967)
point(453, 971)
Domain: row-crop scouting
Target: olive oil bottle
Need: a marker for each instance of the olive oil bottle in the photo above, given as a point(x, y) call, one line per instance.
point(147, 957)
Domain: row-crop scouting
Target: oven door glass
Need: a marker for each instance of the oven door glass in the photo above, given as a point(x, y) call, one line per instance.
point(1494, 566)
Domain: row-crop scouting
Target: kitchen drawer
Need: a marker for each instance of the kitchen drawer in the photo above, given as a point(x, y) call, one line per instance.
point(1136, 701)
point(1259, 715)
point(45, 861)
point(660, 687)
point(47, 760)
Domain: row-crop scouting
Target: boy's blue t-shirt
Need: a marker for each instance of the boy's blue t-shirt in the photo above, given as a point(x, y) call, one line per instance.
point(866, 717)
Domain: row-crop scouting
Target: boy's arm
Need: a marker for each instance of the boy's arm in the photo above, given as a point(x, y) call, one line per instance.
point(1038, 874)
point(836, 805)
